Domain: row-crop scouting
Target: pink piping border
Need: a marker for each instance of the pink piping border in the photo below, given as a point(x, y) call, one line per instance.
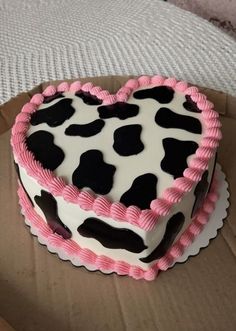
point(145, 219)
point(104, 263)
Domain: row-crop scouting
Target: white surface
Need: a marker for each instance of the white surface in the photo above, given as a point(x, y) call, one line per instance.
point(56, 39)
point(215, 222)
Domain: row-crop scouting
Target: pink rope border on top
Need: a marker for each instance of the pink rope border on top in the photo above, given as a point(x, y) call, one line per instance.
point(145, 219)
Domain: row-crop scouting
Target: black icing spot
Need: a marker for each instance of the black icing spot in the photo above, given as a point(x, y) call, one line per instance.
point(127, 140)
point(111, 237)
point(174, 225)
point(54, 115)
point(88, 98)
point(190, 105)
point(141, 192)
point(41, 144)
point(53, 97)
point(48, 205)
point(121, 110)
point(19, 177)
point(162, 94)
point(85, 130)
point(200, 193)
point(94, 173)
point(166, 118)
point(176, 153)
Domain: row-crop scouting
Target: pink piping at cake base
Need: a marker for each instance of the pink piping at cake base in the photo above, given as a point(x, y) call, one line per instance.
point(107, 264)
point(146, 219)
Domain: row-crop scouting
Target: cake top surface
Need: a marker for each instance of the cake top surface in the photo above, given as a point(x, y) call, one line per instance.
point(138, 150)
point(143, 141)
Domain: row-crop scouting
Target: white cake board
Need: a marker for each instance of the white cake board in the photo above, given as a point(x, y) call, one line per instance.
point(215, 222)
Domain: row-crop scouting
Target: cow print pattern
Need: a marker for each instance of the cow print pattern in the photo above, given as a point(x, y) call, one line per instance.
point(48, 204)
point(111, 237)
point(166, 118)
point(127, 140)
point(200, 193)
point(85, 130)
point(121, 110)
point(174, 225)
point(94, 173)
point(41, 144)
point(162, 94)
point(190, 105)
point(54, 115)
point(88, 98)
point(176, 153)
point(142, 192)
point(53, 97)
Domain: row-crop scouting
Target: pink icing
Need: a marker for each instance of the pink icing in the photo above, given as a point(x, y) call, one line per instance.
point(63, 87)
point(37, 99)
point(106, 264)
point(75, 86)
point(50, 90)
point(159, 207)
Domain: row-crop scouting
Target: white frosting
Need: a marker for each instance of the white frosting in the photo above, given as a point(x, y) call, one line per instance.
point(129, 167)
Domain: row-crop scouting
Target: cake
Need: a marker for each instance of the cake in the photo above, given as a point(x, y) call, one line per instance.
point(118, 183)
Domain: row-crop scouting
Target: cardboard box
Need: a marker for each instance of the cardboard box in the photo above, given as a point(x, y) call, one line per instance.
point(38, 291)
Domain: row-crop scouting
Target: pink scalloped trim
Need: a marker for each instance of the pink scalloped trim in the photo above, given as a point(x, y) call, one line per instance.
point(107, 264)
point(145, 219)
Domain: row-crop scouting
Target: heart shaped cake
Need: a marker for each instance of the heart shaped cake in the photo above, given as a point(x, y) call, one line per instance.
point(118, 183)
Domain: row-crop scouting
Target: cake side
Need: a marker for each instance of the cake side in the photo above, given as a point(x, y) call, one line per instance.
point(70, 250)
point(105, 236)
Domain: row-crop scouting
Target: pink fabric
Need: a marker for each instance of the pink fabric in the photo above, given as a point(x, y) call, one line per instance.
point(145, 219)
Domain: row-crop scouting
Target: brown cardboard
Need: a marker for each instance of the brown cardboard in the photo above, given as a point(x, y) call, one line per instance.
point(38, 291)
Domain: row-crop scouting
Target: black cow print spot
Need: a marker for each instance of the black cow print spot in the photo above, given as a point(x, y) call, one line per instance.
point(41, 144)
point(200, 193)
point(190, 105)
point(111, 237)
point(162, 94)
point(176, 153)
point(88, 98)
point(19, 176)
point(127, 140)
point(173, 227)
point(85, 130)
point(94, 173)
point(213, 172)
point(166, 118)
point(121, 110)
point(54, 115)
point(141, 192)
point(53, 97)
point(48, 204)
